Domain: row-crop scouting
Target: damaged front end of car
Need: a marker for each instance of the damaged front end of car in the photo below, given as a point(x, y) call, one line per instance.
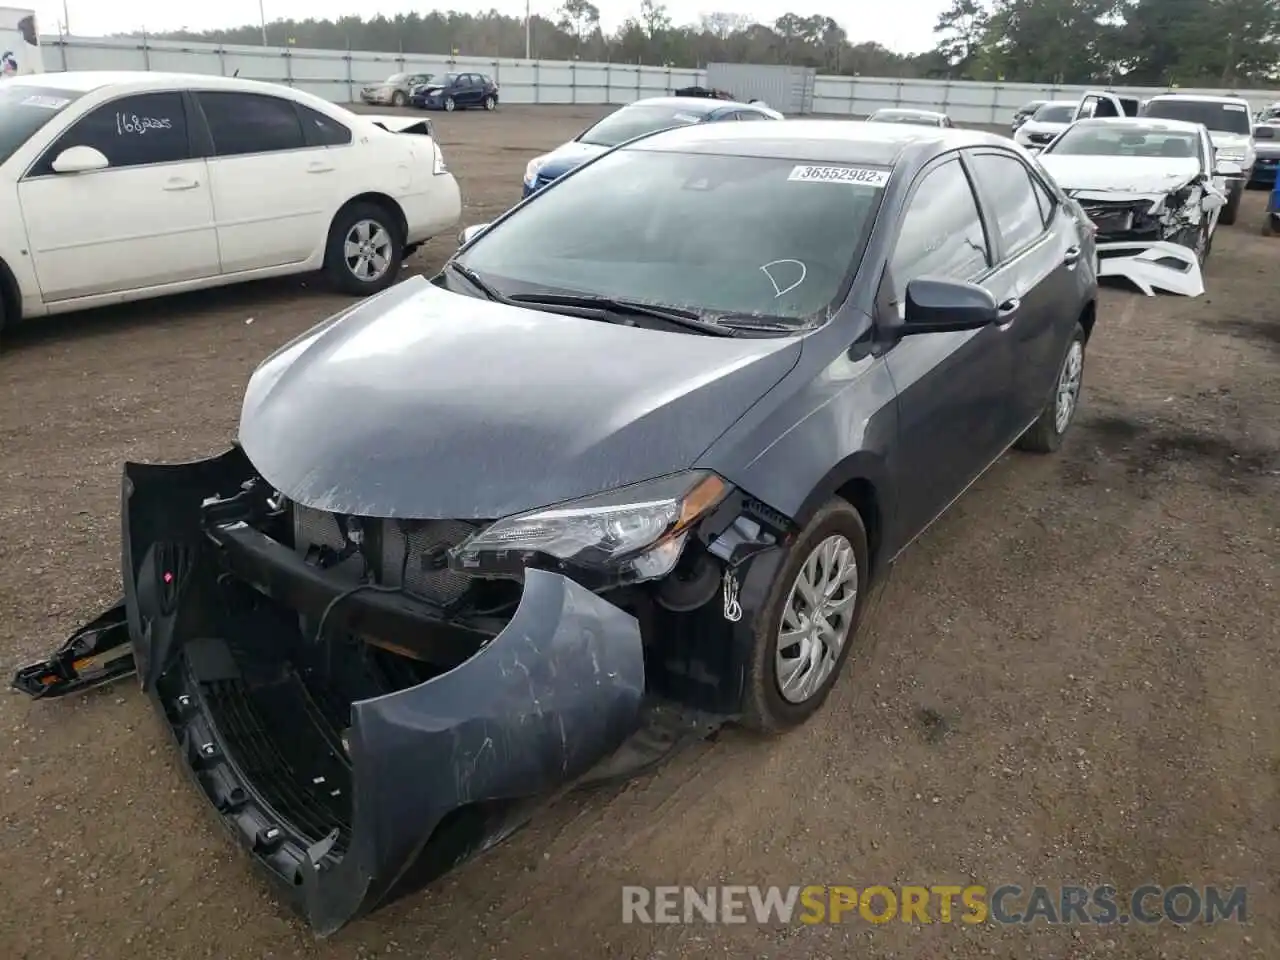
point(1155, 241)
point(367, 703)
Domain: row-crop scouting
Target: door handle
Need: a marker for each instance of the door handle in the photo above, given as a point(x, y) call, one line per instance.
point(319, 166)
point(1072, 256)
point(179, 183)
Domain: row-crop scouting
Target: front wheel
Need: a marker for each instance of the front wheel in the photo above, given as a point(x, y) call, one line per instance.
point(450, 104)
point(365, 250)
point(1232, 208)
point(805, 630)
point(1046, 434)
point(491, 103)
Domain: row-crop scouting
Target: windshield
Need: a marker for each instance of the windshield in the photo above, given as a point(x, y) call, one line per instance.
point(396, 78)
point(1084, 140)
point(632, 122)
point(1055, 113)
point(898, 116)
point(1222, 117)
point(24, 110)
point(1031, 107)
point(717, 234)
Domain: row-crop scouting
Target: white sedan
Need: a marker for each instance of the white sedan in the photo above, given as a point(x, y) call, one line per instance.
point(122, 186)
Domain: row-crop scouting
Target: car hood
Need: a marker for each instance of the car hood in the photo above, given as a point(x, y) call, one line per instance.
point(1222, 139)
point(1140, 175)
point(567, 156)
point(426, 404)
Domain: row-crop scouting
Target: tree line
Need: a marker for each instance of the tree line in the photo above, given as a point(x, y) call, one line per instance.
point(1137, 42)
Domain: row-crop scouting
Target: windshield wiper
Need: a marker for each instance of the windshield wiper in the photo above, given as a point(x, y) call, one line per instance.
point(750, 324)
point(690, 319)
point(475, 280)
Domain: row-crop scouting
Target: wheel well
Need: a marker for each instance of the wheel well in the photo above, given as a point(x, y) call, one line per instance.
point(861, 495)
point(387, 204)
point(10, 296)
point(1087, 318)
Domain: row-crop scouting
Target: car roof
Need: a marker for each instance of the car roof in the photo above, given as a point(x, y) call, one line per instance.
point(84, 81)
point(691, 104)
point(840, 141)
point(909, 112)
point(1198, 98)
point(1059, 103)
point(1142, 123)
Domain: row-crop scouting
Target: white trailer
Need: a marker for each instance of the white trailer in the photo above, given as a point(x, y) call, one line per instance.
point(19, 43)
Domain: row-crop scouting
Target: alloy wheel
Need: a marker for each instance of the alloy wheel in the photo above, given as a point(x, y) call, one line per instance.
point(1069, 386)
point(367, 250)
point(816, 619)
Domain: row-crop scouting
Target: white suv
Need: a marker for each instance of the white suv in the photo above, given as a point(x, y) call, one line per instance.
point(1230, 124)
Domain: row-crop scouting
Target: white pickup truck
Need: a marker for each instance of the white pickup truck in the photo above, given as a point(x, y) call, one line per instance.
point(1228, 119)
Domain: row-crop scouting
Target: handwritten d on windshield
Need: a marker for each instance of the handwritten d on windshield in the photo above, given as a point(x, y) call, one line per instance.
point(127, 123)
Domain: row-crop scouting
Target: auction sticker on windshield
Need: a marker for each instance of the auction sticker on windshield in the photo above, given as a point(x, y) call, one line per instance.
point(858, 175)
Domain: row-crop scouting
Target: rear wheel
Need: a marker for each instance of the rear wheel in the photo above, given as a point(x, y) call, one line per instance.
point(1046, 434)
point(398, 99)
point(365, 249)
point(805, 630)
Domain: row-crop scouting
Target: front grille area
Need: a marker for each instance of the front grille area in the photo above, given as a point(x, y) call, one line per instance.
point(403, 553)
point(1040, 137)
point(1120, 219)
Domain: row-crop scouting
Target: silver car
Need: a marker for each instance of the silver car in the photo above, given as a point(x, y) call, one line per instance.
point(395, 89)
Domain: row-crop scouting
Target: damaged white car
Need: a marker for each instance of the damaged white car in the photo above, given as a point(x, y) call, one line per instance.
point(1153, 193)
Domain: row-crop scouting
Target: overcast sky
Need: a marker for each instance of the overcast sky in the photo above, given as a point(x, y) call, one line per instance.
point(908, 27)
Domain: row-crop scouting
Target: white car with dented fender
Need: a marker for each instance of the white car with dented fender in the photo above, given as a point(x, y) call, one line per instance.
point(1049, 120)
point(124, 186)
point(1153, 192)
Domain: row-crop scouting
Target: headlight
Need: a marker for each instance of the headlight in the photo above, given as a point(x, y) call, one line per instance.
point(635, 532)
point(531, 171)
point(1232, 154)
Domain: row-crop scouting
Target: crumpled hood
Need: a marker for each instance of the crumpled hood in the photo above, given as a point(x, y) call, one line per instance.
point(567, 156)
point(427, 404)
point(1133, 175)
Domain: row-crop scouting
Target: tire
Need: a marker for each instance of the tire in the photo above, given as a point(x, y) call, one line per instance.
point(490, 102)
point(384, 246)
point(766, 709)
point(398, 99)
point(450, 104)
point(1047, 433)
point(1232, 210)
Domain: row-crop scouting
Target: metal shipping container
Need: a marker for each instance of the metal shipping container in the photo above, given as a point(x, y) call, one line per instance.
point(783, 87)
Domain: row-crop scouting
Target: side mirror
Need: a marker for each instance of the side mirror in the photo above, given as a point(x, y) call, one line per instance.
point(941, 306)
point(80, 160)
point(1228, 168)
point(470, 233)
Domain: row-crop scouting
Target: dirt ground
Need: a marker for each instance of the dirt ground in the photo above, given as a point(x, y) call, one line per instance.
point(1073, 676)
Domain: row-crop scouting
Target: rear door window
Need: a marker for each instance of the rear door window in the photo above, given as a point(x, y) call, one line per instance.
point(245, 123)
point(322, 131)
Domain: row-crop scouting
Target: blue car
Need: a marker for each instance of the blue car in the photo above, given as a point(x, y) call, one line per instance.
point(1266, 138)
point(636, 120)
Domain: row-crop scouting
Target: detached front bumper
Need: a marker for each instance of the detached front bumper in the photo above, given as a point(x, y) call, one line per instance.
point(1153, 265)
point(423, 778)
